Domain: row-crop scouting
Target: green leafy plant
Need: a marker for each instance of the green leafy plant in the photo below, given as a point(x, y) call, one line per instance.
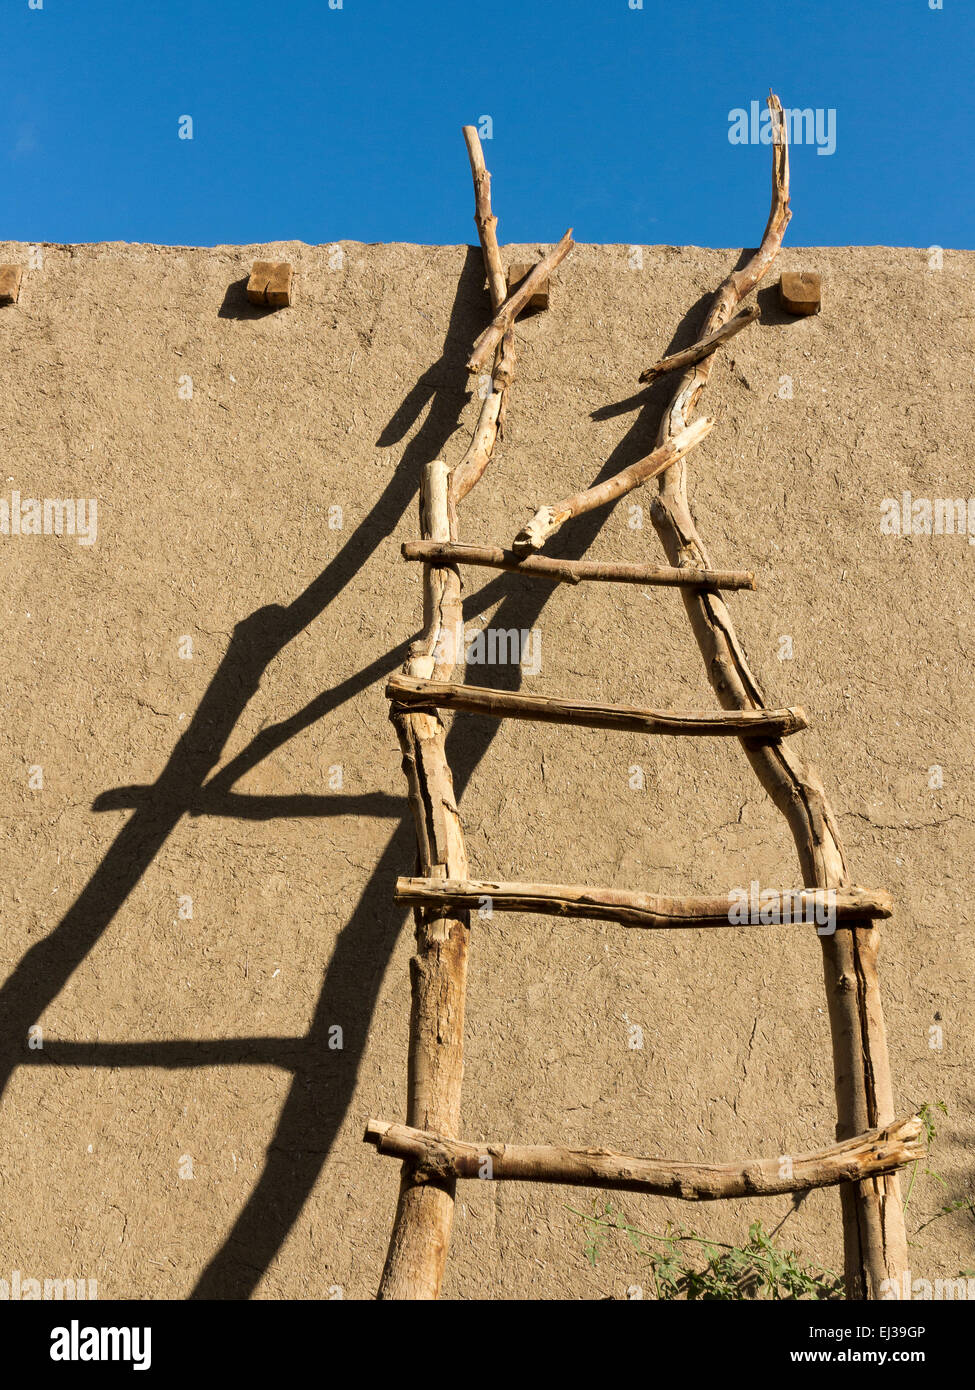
point(685, 1265)
point(929, 1120)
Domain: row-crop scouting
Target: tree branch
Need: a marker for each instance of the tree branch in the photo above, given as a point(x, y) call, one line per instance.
point(864, 1156)
point(701, 349)
point(575, 571)
point(876, 1243)
point(779, 907)
point(548, 519)
point(515, 302)
point(407, 690)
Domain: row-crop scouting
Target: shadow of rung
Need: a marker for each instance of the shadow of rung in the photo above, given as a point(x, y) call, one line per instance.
point(174, 1053)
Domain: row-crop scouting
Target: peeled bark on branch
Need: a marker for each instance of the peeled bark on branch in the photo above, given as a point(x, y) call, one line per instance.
point(701, 349)
point(549, 709)
point(873, 1220)
point(438, 970)
point(490, 423)
point(515, 302)
point(548, 519)
point(575, 571)
point(797, 906)
point(867, 1155)
point(484, 218)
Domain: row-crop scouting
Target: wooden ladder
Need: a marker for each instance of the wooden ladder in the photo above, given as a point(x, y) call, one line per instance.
point(872, 1144)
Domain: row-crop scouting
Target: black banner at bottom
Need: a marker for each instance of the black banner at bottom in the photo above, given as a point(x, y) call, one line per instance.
point(196, 1338)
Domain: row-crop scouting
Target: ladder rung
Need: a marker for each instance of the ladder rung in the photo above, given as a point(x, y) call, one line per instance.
point(801, 906)
point(550, 517)
point(703, 348)
point(573, 571)
point(866, 1155)
point(547, 709)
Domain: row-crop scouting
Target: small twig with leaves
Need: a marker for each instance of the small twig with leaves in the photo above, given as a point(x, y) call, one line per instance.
point(929, 1120)
point(759, 1269)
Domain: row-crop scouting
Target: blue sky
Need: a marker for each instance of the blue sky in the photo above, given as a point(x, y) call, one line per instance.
point(327, 124)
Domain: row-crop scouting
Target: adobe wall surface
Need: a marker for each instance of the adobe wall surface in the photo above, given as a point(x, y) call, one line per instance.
point(175, 1043)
